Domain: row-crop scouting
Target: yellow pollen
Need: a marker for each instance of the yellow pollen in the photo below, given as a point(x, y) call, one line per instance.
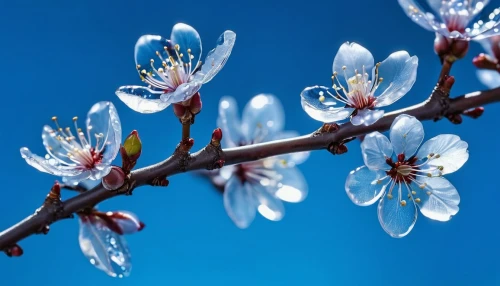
point(380, 79)
point(189, 51)
point(422, 186)
point(157, 53)
point(429, 175)
point(181, 55)
point(379, 182)
point(378, 64)
point(160, 70)
point(403, 203)
point(321, 98)
point(54, 118)
point(389, 196)
point(437, 156)
point(144, 72)
point(428, 193)
point(177, 47)
point(75, 118)
point(413, 192)
point(138, 67)
point(417, 200)
point(440, 168)
point(151, 61)
point(344, 67)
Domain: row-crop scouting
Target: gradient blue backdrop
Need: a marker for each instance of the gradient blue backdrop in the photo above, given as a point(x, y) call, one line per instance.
point(60, 57)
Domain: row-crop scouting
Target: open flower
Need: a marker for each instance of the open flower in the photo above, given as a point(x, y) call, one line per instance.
point(81, 155)
point(453, 19)
point(490, 76)
point(172, 68)
point(409, 178)
point(101, 240)
point(259, 185)
point(357, 93)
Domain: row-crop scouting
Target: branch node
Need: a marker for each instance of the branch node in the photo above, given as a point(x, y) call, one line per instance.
point(160, 182)
point(326, 128)
point(339, 148)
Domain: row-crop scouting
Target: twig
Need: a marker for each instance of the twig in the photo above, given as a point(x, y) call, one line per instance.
point(431, 109)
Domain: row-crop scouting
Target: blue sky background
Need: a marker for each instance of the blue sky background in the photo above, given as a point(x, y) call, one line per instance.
point(60, 57)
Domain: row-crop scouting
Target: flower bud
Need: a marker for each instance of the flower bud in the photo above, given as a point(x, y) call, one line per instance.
point(216, 137)
point(14, 250)
point(114, 179)
point(133, 146)
point(459, 48)
point(441, 45)
point(55, 192)
point(179, 110)
point(474, 112)
point(483, 61)
point(195, 104)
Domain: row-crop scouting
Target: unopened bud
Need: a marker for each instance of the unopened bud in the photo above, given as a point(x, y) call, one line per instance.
point(186, 144)
point(474, 112)
point(114, 180)
point(216, 137)
point(195, 104)
point(14, 250)
point(133, 145)
point(441, 45)
point(55, 192)
point(219, 164)
point(483, 61)
point(459, 48)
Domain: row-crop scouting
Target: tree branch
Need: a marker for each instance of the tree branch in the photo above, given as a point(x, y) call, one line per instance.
point(436, 107)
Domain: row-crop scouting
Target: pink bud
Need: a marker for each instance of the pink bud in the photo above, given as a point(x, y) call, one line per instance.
point(14, 250)
point(459, 48)
point(441, 45)
point(114, 179)
point(55, 192)
point(474, 112)
point(483, 61)
point(217, 136)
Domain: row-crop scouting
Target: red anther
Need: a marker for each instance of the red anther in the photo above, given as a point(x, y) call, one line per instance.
point(401, 157)
point(474, 112)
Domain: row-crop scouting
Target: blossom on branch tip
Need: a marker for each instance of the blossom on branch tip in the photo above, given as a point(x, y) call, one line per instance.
point(259, 185)
point(76, 156)
point(101, 240)
point(355, 92)
point(172, 68)
point(403, 178)
point(454, 19)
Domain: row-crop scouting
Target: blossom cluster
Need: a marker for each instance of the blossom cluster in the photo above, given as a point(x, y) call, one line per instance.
point(397, 173)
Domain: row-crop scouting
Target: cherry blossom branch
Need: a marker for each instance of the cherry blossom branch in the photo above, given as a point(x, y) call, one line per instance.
point(329, 137)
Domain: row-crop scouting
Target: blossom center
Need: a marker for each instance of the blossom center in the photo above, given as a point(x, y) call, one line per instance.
point(359, 91)
point(403, 171)
point(175, 69)
point(79, 152)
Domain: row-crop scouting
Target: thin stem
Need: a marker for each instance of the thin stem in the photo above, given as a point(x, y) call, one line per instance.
point(186, 130)
point(445, 69)
point(427, 110)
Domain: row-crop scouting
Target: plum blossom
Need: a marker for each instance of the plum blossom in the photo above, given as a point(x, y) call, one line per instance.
point(356, 93)
point(454, 19)
point(260, 185)
point(489, 77)
point(172, 68)
point(76, 156)
point(403, 178)
point(102, 242)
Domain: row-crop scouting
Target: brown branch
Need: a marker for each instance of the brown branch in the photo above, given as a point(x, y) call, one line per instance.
point(437, 106)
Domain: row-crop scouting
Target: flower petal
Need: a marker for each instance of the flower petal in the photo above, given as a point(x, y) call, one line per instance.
point(437, 198)
point(406, 135)
point(48, 164)
point(263, 116)
point(187, 38)
point(395, 217)
point(141, 99)
point(399, 72)
point(229, 122)
point(367, 117)
point(239, 202)
point(74, 180)
point(105, 249)
point(420, 16)
point(290, 159)
point(183, 92)
point(319, 104)
point(151, 47)
point(54, 146)
point(376, 148)
point(127, 222)
point(292, 186)
point(489, 78)
point(269, 206)
point(451, 152)
point(216, 58)
point(103, 125)
point(351, 57)
point(364, 186)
